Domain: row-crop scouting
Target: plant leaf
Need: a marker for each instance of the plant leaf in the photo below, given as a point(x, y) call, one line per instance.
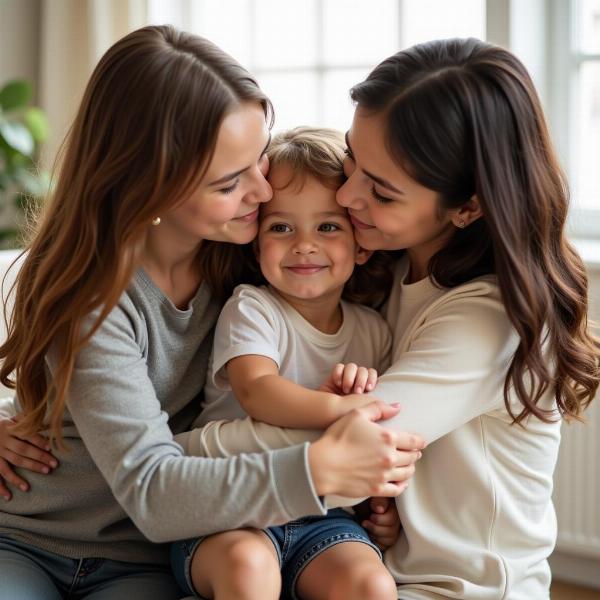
point(18, 137)
point(37, 123)
point(15, 94)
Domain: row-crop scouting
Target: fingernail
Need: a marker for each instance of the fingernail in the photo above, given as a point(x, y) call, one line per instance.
point(47, 448)
point(7, 498)
point(23, 487)
point(359, 390)
point(45, 470)
point(395, 404)
point(53, 464)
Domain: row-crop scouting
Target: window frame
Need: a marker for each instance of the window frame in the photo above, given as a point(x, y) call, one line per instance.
point(564, 63)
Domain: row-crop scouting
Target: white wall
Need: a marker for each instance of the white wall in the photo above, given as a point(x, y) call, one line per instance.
point(19, 39)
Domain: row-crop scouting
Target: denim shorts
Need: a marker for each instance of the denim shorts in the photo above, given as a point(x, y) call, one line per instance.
point(296, 543)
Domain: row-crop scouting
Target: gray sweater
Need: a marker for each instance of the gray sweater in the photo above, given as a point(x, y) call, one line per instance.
point(124, 480)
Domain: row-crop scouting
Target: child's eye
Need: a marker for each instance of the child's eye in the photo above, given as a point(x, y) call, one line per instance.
point(329, 227)
point(379, 197)
point(280, 228)
point(230, 188)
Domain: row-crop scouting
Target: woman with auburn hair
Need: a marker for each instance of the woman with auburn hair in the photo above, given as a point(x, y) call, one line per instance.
point(115, 304)
point(450, 163)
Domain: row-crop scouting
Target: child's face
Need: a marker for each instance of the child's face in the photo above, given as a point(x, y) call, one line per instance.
point(306, 246)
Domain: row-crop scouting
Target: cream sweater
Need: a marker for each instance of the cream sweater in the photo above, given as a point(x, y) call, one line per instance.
point(478, 516)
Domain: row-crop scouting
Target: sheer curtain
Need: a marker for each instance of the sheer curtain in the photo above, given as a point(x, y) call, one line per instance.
point(73, 36)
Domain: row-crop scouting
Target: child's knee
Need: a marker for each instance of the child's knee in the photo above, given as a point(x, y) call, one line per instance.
point(366, 584)
point(251, 558)
point(377, 585)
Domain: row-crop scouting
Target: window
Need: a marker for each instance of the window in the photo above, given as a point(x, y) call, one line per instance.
point(306, 55)
point(575, 106)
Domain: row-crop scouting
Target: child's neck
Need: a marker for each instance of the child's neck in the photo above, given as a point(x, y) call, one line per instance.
point(323, 313)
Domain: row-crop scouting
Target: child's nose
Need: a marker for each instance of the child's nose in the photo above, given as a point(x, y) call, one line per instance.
point(305, 246)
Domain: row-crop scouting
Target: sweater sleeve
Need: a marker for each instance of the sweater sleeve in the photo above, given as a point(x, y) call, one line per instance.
point(114, 407)
point(453, 369)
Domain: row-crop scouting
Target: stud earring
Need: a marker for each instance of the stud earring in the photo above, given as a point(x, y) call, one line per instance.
point(461, 223)
point(156, 221)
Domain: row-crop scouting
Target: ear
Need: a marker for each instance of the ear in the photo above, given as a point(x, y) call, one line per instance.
point(362, 255)
point(469, 212)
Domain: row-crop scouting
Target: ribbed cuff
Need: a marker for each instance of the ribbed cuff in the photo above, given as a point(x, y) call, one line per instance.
point(292, 475)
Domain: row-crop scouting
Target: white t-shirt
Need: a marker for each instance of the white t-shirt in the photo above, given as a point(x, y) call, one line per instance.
point(258, 321)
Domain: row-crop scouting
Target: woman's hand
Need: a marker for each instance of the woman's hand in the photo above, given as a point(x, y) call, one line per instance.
point(383, 524)
point(30, 453)
point(355, 457)
point(350, 379)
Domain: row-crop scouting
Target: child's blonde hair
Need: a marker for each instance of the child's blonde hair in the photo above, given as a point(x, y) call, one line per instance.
point(318, 152)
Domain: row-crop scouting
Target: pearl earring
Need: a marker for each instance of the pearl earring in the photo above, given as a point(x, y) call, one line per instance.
point(156, 221)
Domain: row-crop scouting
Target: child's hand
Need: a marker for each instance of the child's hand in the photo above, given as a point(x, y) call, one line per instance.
point(31, 453)
point(383, 524)
point(350, 379)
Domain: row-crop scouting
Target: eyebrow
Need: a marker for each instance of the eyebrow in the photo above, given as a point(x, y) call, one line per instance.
point(379, 180)
point(237, 173)
point(278, 213)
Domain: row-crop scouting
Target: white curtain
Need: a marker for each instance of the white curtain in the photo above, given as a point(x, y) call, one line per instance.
point(73, 36)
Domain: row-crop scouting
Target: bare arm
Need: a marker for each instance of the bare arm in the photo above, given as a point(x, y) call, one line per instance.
point(268, 397)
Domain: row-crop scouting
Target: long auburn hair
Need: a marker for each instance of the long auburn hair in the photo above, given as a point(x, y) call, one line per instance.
point(464, 118)
point(144, 135)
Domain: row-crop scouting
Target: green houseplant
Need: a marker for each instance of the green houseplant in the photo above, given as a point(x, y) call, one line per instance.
point(23, 128)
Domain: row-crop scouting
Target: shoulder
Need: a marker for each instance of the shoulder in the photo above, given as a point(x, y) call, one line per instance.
point(252, 297)
point(474, 315)
point(251, 306)
point(479, 299)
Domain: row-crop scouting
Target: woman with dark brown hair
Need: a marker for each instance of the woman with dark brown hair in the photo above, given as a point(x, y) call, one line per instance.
point(115, 304)
point(450, 163)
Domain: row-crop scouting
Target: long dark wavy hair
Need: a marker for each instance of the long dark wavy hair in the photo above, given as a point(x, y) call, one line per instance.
point(143, 137)
point(464, 118)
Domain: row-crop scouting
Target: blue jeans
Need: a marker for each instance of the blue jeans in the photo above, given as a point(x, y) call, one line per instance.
point(28, 573)
point(296, 543)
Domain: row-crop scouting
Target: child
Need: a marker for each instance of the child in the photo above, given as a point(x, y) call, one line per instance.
point(271, 344)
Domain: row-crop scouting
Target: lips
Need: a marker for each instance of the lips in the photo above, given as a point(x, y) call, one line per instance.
point(360, 224)
point(305, 269)
point(249, 217)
